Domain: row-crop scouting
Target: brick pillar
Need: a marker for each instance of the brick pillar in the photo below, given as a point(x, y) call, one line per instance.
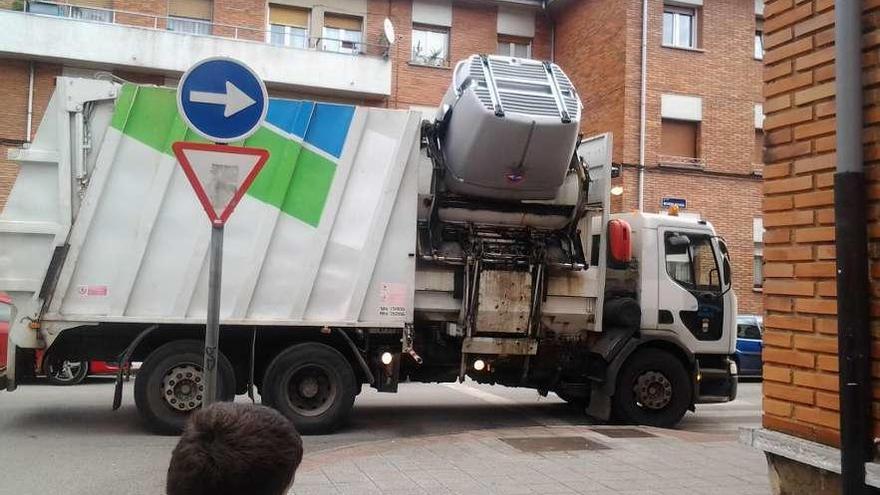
point(799, 293)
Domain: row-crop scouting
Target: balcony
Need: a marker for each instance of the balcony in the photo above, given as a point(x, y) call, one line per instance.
point(70, 35)
point(682, 162)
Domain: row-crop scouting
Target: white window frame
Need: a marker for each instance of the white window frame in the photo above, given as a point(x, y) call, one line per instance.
point(429, 28)
point(677, 12)
point(511, 51)
point(288, 37)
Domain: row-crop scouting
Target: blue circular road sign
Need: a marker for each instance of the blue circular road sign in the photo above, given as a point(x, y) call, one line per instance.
point(222, 99)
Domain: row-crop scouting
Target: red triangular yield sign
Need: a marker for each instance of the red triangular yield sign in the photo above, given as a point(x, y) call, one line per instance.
point(219, 174)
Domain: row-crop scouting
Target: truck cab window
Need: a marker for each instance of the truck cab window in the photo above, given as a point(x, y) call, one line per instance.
point(690, 261)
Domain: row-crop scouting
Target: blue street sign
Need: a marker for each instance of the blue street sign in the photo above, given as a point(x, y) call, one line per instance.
point(222, 99)
point(670, 202)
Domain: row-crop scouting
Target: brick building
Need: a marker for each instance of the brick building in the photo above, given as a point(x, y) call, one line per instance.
point(702, 100)
point(702, 118)
point(802, 400)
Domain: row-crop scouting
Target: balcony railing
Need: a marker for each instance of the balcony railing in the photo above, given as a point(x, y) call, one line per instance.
point(199, 27)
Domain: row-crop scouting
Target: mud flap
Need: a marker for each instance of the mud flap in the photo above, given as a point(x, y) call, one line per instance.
point(125, 364)
point(600, 403)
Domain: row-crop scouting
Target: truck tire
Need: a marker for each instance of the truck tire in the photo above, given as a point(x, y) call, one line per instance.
point(168, 386)
point(64, 372)
point(313, 385)
point(653, 389)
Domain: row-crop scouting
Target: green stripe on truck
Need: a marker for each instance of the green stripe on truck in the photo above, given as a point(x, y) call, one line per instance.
point(295, 179)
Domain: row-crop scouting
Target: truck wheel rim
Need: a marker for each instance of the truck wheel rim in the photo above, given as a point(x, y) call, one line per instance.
point(311, 390)
point(182, 387)
point(653, 390)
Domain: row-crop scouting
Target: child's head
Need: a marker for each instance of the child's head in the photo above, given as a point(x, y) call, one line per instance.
point(230, 448)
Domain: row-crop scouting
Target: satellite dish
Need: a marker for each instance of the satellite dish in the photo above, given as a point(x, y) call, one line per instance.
point(389, 31)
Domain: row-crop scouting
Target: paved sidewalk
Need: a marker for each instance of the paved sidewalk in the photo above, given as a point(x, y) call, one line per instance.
point(541, 460)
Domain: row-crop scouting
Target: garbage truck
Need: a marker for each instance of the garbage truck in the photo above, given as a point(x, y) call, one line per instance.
point(374, 247)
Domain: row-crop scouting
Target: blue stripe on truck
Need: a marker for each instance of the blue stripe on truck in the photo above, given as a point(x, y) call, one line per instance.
point(323, 125)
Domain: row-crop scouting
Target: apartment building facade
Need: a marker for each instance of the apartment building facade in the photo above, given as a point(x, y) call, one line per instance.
point(700, 148)
point(702, 118)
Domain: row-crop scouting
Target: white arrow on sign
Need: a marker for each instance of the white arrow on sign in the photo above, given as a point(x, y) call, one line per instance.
point(234, 99)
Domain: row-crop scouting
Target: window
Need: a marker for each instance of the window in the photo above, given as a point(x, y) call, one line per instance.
point(430, 45)
point(758, 258)
point(342, 33)
point(759, 39)
point(679, 27)
point(690, 261)
point(288, 26)
point(190, 16)
point(511, 46)
point(84, 13)
point(186, 25)
point(759, 147)
point(679, 138)
point(758, 269)
point(44, 8)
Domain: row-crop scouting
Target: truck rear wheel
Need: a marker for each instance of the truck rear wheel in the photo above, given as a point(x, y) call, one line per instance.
point(311, 384)
point(652, 389)
point(169, 386)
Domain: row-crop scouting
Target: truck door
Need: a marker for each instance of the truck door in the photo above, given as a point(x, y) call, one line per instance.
point(691, 295)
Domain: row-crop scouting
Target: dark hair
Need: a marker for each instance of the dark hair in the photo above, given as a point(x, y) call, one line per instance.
point(229, 448)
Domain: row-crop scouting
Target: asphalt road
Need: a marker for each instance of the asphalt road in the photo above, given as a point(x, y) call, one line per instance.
point(56, 440)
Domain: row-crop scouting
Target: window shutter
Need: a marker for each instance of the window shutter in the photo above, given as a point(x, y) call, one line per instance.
point(288, 16)
point(337, 21)
point(99, 4)
point(193, 9)
point(679, 138)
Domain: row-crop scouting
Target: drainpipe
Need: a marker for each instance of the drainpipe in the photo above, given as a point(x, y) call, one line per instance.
point(853, 332)
point(642, 103)
point(30, 104)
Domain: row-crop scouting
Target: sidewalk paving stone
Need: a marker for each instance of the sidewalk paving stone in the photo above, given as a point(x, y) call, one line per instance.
point(658, 462)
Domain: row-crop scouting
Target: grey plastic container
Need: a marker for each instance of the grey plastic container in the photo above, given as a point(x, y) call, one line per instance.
point(512, 128)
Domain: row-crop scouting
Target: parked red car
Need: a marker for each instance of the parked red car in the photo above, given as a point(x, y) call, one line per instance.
point(58, 372)
point(64, 372)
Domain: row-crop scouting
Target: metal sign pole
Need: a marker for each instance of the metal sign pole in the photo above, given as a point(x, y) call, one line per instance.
point(212, 330)
point(221, 116)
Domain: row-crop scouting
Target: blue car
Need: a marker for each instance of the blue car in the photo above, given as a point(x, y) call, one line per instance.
point(749, 344)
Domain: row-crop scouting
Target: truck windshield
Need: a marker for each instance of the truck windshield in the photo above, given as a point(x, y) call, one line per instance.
point(692, 264)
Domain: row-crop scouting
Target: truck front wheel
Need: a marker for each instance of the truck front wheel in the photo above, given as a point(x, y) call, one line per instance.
point(652, 389)
point(313, 385)
point(170, 385)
